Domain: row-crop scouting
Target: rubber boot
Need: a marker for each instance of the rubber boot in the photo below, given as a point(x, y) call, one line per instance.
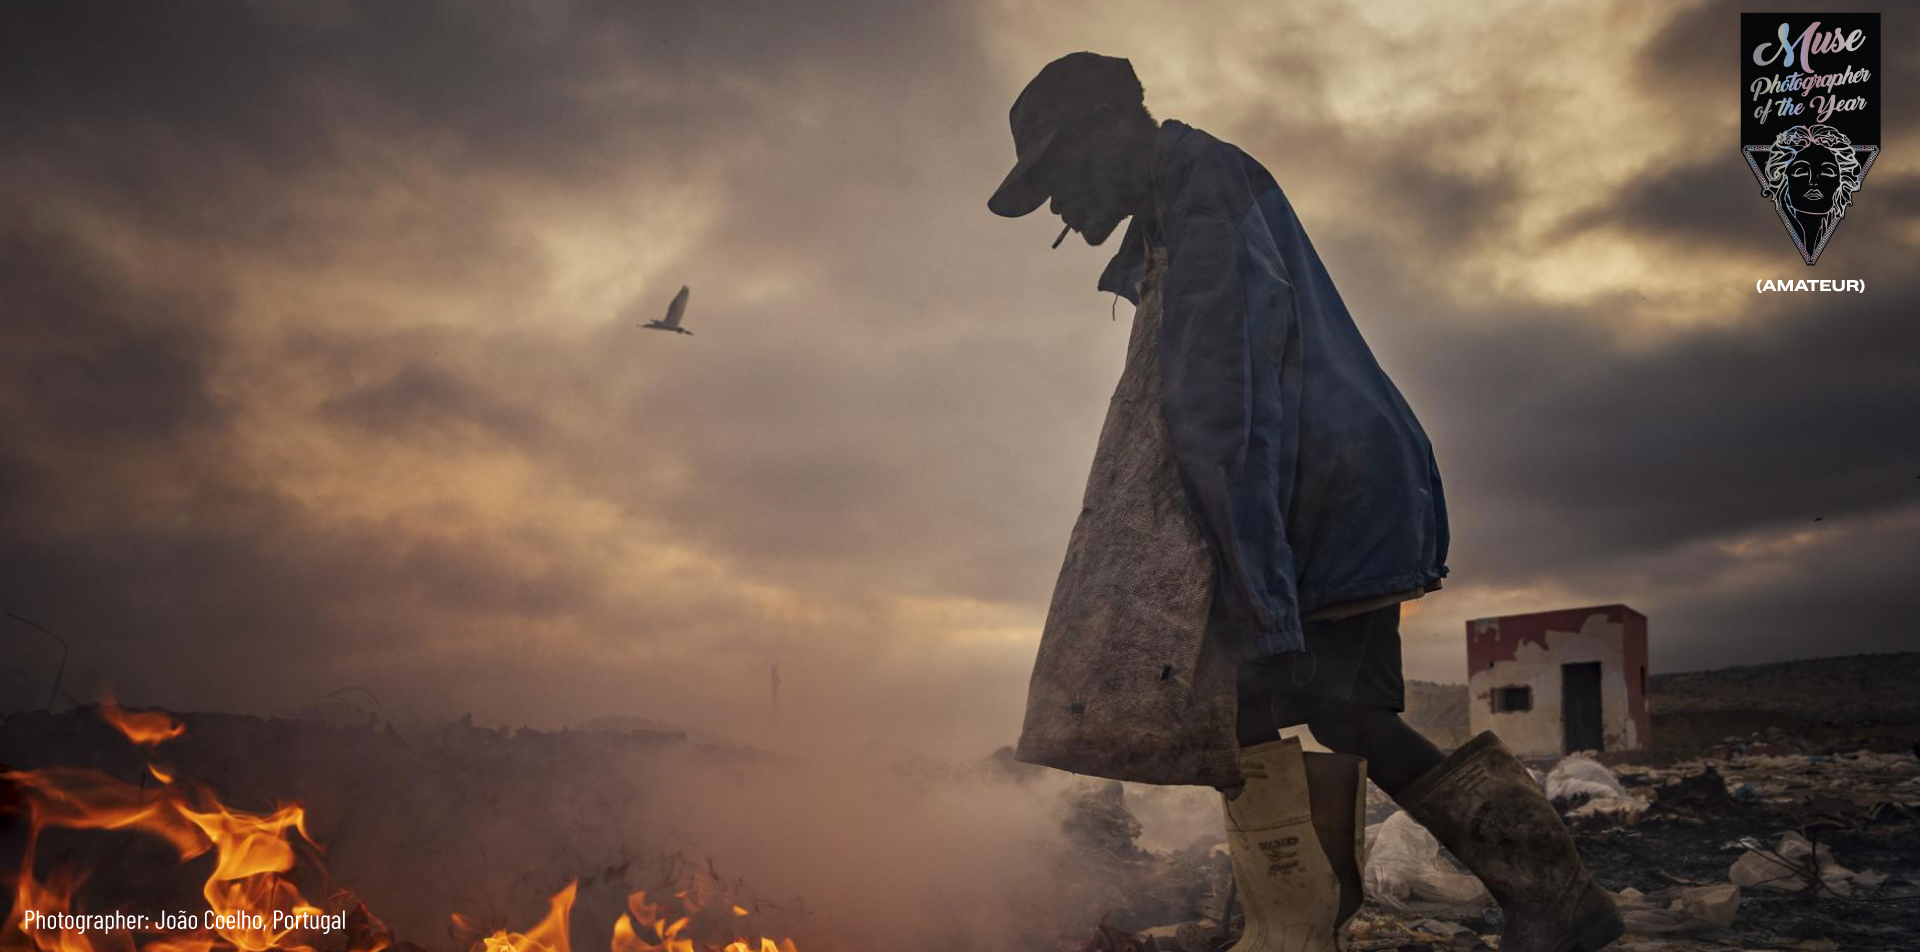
point(1337, 790)
point(1481, 804)
point(1287, 888)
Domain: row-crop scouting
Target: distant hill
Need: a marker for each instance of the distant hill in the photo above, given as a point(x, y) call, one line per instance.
point(1854, 698)
point(1438, 711)
point(1852, 689)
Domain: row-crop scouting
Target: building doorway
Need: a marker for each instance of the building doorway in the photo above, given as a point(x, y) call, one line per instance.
point(1580, 707)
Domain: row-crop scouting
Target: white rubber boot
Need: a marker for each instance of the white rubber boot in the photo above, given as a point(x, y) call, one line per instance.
point(1286, 885)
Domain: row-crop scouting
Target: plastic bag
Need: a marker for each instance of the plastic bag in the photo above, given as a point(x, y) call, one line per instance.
point(1679, 909)
point(1577, 778)
point(1609, 811)
point(1404, 863)
point(1791, 866)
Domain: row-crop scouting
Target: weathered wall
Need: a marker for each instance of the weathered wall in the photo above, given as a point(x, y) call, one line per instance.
point(1529, 649)
point(1638, 675)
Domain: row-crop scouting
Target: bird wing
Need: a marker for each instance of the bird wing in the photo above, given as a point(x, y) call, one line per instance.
point(677, 309)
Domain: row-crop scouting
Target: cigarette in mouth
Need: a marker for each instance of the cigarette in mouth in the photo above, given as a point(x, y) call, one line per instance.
point(1063, 236)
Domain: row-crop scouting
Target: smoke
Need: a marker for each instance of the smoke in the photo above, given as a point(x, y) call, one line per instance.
point(839, 851)
point(887, 858)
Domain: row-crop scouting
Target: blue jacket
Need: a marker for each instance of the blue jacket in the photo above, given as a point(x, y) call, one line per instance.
point(1311, 480)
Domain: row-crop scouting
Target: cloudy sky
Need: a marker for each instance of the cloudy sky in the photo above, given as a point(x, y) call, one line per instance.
point(320, 365)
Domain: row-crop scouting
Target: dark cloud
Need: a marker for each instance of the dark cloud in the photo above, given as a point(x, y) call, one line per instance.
point(1593, 452)
point(1584, 460)
point(1693, 205)
point(93, 352)
point(1448, 206)
point(321, 368)
point(420, 401)
point(1842, 592)
point(516, 86)
point(298, 158)
point(1693, 198)
point(1688, 204)
point(1696, 49)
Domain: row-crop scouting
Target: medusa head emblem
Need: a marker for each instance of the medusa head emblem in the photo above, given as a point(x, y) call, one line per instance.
point(1810, 174)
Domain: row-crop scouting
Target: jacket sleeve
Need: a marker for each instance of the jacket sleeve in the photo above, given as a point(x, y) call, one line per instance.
point(1224, 317)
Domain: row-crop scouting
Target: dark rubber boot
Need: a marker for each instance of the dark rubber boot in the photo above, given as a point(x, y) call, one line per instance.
point(1337, 789)
point(1481, 804)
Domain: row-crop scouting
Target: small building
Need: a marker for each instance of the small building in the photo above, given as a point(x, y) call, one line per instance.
point(1555, 682)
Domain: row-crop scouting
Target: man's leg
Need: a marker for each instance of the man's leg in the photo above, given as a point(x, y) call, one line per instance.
point(1295, 891)
point(1396, 754)
point(1253, 721)
point(1482, 804)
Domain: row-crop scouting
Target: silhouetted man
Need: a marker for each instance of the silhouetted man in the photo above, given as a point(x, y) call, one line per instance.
point(1317, 496)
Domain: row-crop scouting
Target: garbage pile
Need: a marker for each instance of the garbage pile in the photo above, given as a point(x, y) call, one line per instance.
point(1109, 880)
point(1764, 849)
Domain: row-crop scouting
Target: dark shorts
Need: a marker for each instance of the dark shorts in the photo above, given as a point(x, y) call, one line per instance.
point(1353, 659)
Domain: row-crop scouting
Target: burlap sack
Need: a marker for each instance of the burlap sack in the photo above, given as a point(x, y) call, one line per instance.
point(1128, 683)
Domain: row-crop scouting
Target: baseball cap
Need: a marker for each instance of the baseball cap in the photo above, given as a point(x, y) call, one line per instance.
point(1063, 90)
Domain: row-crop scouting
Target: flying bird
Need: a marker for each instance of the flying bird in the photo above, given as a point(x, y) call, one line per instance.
point(675, 311)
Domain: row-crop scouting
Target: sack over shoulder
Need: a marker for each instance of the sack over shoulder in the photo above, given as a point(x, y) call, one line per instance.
point(1131, 681)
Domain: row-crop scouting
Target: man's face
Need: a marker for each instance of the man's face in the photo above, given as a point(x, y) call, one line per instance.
point(1086, 176)
point(1812, 179)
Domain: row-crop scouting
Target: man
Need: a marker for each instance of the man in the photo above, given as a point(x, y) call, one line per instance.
point(1316, 495)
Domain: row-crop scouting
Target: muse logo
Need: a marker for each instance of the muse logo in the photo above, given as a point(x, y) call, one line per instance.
point(1811, 123)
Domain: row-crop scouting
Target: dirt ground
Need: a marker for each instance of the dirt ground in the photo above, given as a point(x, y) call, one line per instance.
point(1692, 819)
point(1864, 807)
point(421, 820)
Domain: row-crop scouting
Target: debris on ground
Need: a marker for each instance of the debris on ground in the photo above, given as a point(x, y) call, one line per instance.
point(1772, 844)
point(1608, 811)
point(1578, 778)
point(1795, 863)
point(1678, 909)
point(1591, 796)
point(1098, 820)
point(1105, 876)
point(1808, 839)
point(1695, 796)
point(1405, 870)
point(1848, 821)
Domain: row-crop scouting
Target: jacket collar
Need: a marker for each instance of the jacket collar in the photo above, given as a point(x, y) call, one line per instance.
point(1123, 273)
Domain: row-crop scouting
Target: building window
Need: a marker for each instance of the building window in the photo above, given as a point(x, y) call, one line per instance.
point(1515, 698)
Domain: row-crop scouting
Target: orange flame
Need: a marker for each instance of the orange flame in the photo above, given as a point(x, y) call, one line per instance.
point(550, 935)
point(669, 933)
point(245, 888)
point(146, 728)
point(78, 798)
point(255, 854)
point(51, 898)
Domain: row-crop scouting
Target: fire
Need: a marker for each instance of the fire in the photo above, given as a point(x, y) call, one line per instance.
point(252, 903)
point(246, 885)
point(146, 728)
point(549, 936)
point(76, 798)
point(665, 930)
